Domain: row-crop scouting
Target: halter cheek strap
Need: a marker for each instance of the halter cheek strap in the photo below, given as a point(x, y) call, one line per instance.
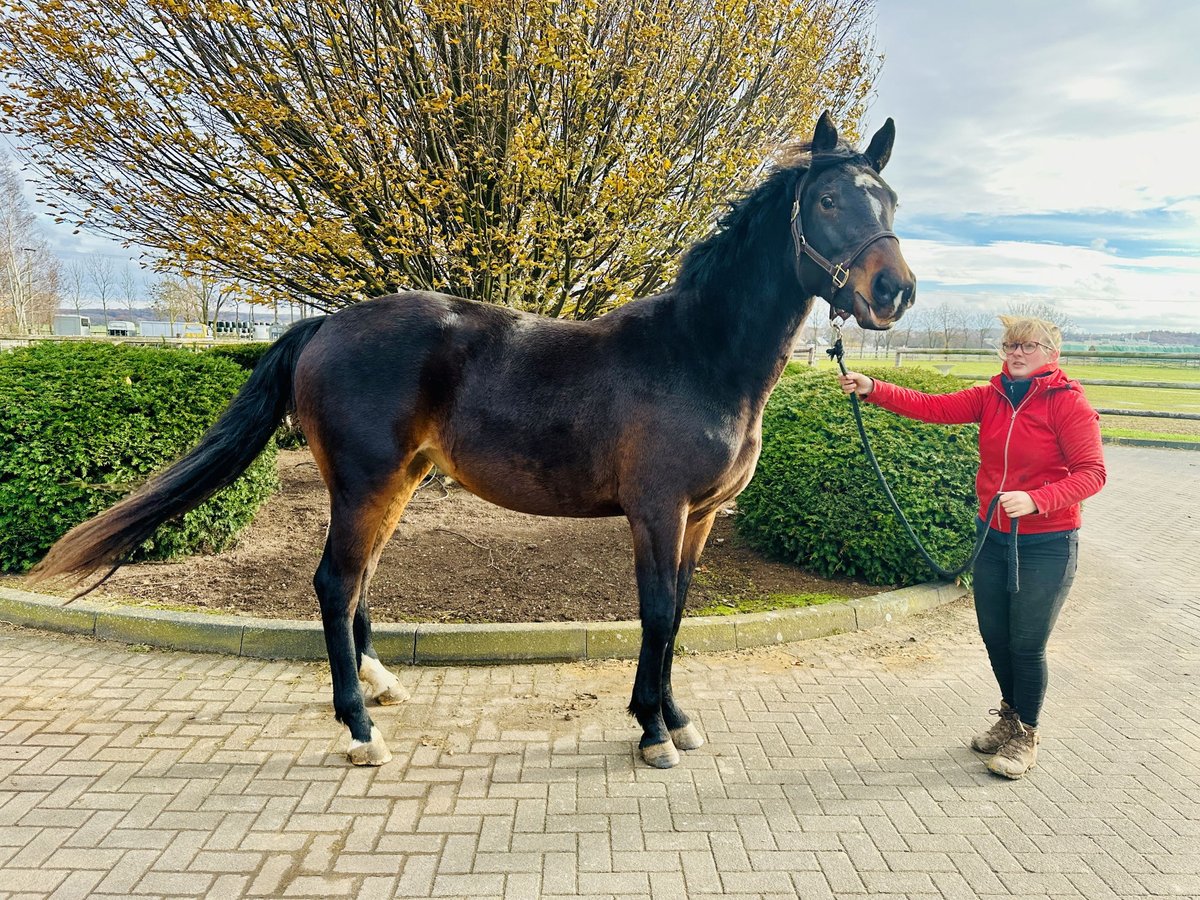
point(838, 272)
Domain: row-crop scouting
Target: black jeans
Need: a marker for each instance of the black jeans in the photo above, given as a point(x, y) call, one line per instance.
point(1016, 627)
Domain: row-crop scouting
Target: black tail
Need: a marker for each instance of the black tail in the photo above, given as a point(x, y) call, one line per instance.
point(225, 452)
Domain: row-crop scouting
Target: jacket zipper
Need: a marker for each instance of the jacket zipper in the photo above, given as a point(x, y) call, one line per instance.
point(1008, 437)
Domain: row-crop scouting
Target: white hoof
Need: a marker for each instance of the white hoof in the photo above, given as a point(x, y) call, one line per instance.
point(661, 756)
point(381, 685)
point(390, 696)
point(370, 753)
point(687, 738)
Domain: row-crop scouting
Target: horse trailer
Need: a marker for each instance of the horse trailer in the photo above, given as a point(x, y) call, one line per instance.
point(72, 326)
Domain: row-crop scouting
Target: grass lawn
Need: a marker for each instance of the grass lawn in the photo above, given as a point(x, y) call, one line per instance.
point(1076, 368)
point(732, 606)
point(1100, 395)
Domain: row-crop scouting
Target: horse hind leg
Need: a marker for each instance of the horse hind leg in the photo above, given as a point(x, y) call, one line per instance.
point(684, 734)
point(381, 685)
point(356, 513)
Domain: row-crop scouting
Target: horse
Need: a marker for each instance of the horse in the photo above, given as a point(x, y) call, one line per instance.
point(653, 411)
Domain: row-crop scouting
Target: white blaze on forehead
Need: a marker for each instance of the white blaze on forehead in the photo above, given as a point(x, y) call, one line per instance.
point(867, 180)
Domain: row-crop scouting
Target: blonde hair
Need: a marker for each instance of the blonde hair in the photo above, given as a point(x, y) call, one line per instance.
point(1026, 328)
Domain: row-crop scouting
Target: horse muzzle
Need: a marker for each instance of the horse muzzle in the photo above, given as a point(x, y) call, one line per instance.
point(890, 289)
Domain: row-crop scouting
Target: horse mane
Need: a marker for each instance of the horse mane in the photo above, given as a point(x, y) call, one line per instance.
point(737, 235)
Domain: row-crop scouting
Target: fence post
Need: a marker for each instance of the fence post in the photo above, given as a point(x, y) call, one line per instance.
point(812, 354)
point(899, 353)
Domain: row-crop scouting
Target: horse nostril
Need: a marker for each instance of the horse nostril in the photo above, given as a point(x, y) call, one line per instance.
point(889, 290)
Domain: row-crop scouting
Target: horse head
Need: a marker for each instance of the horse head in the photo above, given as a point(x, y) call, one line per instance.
point(842, 230)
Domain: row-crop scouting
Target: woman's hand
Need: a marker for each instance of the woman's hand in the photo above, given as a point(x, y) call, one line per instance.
point(1017, 503)
point(855, 382)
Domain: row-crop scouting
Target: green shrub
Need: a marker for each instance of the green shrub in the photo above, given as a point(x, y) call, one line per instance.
point(245, 355)
point(815, 501)
point(82, 424)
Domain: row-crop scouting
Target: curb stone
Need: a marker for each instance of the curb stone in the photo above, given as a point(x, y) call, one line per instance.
point(1150, 442)
point(439, 644)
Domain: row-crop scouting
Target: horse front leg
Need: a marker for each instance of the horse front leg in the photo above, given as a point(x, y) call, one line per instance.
point(684, 735)
point(656, 548)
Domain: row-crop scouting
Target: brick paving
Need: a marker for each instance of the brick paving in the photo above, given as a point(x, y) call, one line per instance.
point(835, 767)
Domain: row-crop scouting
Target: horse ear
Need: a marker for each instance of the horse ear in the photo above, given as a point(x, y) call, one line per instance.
point(880, 149)
point(824, 135)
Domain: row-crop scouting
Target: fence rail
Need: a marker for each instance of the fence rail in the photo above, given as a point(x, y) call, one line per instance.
point(1108, 382)
point(1185, 358)
point(9, 341)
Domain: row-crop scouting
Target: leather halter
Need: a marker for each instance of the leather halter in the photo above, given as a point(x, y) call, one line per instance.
point(838, 272)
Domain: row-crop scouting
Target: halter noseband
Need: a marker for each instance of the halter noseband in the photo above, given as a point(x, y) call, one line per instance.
point(839, 273)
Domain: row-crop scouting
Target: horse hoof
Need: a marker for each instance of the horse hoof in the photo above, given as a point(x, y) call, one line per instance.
point(687, 737)
point(374, 752)
point(391, 695)
point(379, 684)
point(661, 756)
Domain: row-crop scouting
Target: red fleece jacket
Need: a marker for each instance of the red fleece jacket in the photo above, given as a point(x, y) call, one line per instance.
point(1049, 446)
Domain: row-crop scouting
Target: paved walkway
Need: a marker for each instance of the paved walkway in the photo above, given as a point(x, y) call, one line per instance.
point(835, 767)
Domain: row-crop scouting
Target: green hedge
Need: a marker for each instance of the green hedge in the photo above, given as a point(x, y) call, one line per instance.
point(245, 355)
point(82, 424)
point(815, 501)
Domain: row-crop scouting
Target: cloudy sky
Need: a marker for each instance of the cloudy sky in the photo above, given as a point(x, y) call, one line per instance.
point(1048, 152)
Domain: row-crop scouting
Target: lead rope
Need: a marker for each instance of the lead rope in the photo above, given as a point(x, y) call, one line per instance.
point(837, 352)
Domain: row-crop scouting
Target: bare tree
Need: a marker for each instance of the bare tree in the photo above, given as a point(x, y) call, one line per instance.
point(916, 327)
point(1037, 309)
point(882, 340)
point(981, 325)
point(210, 296)
point(28, 270)
point(75, 277)
point(949, 322)
point(103, 276)
point(812, 330)
point(131, 290)
point(175, 300)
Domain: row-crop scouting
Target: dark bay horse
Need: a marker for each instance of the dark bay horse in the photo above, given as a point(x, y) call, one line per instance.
point(653, 411)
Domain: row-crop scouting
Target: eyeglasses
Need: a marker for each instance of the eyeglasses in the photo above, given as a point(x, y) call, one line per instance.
point(1024, 346)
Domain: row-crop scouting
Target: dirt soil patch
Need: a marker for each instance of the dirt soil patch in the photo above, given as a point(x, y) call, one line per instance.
point(454, 558)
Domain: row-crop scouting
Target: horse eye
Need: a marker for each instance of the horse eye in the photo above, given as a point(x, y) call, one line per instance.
point(827, 202)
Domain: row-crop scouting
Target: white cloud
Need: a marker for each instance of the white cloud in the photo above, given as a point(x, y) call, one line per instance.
point(1092, 285)
point(1027, 108)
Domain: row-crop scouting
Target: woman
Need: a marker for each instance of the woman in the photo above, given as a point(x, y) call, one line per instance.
point(1039, 449)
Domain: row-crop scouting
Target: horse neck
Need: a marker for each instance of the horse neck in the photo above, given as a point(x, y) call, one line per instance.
point(753, 335)
point(745, 317)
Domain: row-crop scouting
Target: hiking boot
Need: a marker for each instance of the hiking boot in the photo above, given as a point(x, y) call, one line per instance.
point(997, 736)
point(1017, 756)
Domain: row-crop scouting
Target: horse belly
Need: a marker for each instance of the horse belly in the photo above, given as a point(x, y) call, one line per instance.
point(527, 486)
